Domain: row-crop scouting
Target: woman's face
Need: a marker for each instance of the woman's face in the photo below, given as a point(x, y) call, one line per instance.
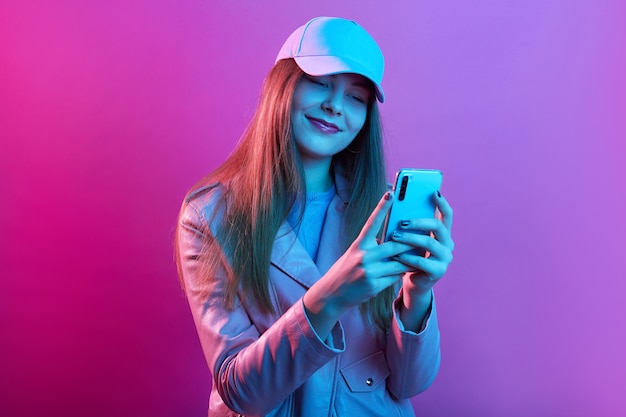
point(327, 113)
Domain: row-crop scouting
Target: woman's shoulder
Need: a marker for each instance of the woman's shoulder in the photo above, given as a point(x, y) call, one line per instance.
point(205, 193)
point(204, 203)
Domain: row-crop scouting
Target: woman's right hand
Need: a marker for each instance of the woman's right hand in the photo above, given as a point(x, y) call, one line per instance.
point(364, 270)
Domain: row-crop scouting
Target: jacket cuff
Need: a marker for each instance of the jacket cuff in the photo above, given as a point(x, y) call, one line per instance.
point(397, 304)
point(335, 343)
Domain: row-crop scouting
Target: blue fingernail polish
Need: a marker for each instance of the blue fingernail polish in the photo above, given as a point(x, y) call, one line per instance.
point(397, 235)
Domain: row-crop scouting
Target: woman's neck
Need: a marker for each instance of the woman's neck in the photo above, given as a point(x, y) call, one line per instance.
point(317, 175)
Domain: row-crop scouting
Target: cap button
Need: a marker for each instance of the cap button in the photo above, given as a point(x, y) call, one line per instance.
point(369, 382)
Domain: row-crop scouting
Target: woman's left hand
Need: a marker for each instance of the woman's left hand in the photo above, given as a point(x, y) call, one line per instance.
point(433, 236)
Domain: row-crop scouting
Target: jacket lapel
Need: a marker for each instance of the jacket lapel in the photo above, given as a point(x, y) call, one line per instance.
point(331, 247)
point(290, 257)
point(330, 242)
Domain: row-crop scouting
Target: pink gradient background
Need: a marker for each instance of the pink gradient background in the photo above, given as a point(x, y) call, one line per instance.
point(110, 110)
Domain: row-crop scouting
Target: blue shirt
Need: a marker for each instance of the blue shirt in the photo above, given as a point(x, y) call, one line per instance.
point(309, 229)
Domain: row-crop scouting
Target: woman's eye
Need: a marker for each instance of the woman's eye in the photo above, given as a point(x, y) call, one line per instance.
point(318, 82)
point(358, 98)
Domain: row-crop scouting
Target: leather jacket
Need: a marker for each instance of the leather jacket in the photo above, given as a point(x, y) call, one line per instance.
point(275, 364)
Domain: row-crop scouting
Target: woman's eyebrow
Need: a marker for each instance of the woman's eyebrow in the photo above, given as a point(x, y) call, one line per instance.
point(361, 84)
point(356, 83)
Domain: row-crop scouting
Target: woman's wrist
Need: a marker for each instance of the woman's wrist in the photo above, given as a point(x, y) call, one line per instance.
point(415, 307)
point(322, 312)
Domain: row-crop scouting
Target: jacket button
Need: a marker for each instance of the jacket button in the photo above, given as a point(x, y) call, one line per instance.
point(369, 381)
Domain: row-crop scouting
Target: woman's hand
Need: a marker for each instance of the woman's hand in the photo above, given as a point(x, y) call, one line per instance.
point(426, 270)
point(363, 271)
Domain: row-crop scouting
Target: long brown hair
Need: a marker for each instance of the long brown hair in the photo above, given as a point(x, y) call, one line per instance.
point(257, 203)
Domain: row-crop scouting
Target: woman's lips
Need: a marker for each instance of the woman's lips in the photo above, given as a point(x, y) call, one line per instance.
point(323, 125)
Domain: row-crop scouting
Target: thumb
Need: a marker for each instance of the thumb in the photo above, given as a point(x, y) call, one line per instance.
point(376, 219)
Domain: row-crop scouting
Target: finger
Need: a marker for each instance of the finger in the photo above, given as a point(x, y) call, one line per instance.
point(439, 230)
point(391, 268)
point(388, 280)
point(432, 268)
point(385, 251)
point(376, 219)
point(438, 250)
point(445, 209)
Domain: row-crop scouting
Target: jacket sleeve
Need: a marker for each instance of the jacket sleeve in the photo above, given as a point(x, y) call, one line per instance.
point(252, 372)
point(413, 358)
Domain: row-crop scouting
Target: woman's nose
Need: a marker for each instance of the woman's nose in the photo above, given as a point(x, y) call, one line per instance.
point(333, 103)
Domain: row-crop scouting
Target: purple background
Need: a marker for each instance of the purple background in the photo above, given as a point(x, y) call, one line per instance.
point(109, 111)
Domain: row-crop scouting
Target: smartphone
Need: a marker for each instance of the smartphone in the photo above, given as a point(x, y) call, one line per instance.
point(412, 198)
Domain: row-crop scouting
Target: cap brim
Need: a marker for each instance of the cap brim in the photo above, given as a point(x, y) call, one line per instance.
point(329, 65)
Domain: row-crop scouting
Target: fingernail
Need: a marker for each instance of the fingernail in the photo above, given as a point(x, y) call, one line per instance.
point(387, 195)
point(404, 223)
point(397, 235)
point(438, 194)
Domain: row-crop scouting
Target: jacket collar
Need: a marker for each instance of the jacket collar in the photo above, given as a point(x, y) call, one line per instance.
point(288, 254)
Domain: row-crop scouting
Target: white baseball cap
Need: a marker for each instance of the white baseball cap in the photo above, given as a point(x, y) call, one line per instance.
point(332, 45)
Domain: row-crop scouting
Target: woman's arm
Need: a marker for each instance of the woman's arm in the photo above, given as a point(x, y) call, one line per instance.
point(252, 372)
point(413, 345)
point(436, 239)
point(413, 357)
point(363, 271)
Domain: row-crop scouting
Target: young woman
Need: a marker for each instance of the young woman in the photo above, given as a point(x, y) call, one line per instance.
point(301, 311)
